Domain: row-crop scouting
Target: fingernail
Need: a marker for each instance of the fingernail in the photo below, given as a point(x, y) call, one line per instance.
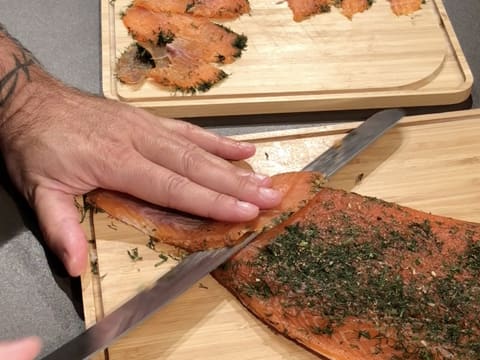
point(269, 193)
point(261, 178)
point(246, 145)
point(247, 208)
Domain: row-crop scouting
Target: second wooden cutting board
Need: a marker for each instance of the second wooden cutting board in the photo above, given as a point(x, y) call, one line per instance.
point(431, 163)
point(327, 62)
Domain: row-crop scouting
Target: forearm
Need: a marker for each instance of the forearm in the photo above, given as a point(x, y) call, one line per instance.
point(21, 76)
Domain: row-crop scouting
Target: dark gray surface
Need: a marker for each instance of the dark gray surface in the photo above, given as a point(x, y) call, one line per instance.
point(36, 296)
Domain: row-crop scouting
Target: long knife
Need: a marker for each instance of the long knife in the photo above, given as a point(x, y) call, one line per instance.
point(197, 265)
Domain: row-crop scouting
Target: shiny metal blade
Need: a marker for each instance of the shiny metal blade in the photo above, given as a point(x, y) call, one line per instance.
point(183, 276)
point(197, 265)
point(354, 142)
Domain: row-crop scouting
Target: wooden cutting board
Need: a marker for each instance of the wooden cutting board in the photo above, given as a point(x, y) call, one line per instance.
point(431, 163)
point(327, 62)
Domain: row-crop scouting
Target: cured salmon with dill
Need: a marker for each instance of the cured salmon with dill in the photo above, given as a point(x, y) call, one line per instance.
point(200, 37)
point(212, 9)
point(353, 277)
point(348, 276)
point(177, 50)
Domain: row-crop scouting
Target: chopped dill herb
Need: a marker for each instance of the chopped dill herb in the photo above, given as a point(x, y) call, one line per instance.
point(133, 254)
point(163, 259)
point(144, 56)
point(94, 267)
point(151, 243)
point(359, 178)
point(112, 226)
point(165, 38)
point(240, 43)
point(190, 6)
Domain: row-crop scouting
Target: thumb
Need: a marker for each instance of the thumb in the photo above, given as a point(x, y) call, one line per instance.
point(24, 349)
point(59, 222)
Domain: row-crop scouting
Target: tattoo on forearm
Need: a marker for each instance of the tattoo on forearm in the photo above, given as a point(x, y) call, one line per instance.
point(9, 80)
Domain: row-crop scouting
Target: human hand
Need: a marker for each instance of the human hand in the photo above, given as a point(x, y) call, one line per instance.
point(24, 349)
point(60, 143)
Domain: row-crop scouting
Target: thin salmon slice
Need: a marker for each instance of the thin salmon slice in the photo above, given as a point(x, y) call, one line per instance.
point(405, 7)
point(177, 51)
point(213, 9)
point(352, 7)
point(134, 65)
point(303, 9)
point(170, 65)
point(353, 277)
point(185, 72)
point(214, 42)
point(194, 233)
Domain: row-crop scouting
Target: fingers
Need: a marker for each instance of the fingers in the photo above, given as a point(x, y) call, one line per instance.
point(218, 145)
point(166, 145)
point(207, 170)
point(162, 186)
point(193, 162)
point(59, 221)
point(24, 349)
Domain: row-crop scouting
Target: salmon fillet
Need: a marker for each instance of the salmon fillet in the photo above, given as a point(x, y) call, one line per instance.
point(353, 277)
point(194, 233)
point(347, 276)
point(214, 9)
point(405, 7)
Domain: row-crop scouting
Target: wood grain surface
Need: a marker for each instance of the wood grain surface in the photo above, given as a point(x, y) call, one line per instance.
point(323, 63)
point(428, 162)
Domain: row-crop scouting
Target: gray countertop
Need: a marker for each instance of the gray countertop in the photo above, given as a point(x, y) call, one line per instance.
point(37, 296)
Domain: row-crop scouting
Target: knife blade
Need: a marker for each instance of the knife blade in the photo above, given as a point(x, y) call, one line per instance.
point(197, 265)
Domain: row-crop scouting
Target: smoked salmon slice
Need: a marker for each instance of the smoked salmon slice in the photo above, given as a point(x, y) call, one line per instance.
point(193, 233)
point(352, 7)
point(405, 7)
point(134, 65)
point(178, 51)
point(353, 277)
point(303, 9)
point(213, 9)
point(209, 41)
point(186, 73)
point(170, 66)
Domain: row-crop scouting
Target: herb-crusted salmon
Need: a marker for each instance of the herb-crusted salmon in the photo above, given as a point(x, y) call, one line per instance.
point(215, 9)
point(347, 276)
point(193, 233)
point(352, 277)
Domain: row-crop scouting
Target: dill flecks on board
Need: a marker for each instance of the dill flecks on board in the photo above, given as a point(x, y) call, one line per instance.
point(134, 255)
point(346, 270)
